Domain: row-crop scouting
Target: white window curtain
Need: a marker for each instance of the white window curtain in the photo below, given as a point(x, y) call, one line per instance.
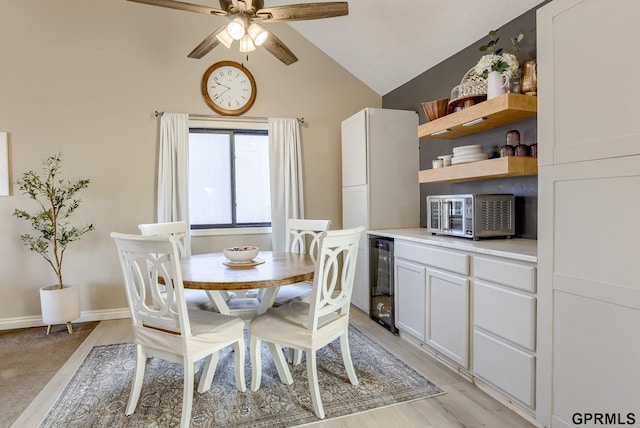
point(173, 162)
point(285, 163)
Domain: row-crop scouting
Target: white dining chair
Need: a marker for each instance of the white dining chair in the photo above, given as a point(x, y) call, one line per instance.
point(303, 237)
point(309, 326)
point(163, 325)
point(180, 229)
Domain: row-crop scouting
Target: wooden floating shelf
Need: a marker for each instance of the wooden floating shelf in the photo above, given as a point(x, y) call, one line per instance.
point(499, 111)
point(510, 166)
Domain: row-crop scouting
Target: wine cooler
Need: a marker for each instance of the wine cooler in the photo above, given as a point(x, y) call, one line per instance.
point(381, 282)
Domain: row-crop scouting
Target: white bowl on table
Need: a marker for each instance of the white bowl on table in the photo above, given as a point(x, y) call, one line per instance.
point(241, 254)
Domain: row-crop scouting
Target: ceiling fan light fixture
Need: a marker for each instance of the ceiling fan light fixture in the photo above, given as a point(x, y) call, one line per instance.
point(258, 33)
point(236, 28)
point(246, 44)
point(225, 38)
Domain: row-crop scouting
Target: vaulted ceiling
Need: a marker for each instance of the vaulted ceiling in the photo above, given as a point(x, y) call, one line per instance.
point(386, 43)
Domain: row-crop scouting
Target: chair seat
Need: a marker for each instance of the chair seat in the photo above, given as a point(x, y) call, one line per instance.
point(288, 293)
point(207, 329)
point(198, 299)
point(293, 292)
point(293, 318)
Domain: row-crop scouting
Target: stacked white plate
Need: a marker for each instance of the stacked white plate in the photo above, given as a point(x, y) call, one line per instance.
point(465, 154)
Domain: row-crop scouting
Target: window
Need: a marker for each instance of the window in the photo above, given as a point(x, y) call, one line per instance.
point(229, 178)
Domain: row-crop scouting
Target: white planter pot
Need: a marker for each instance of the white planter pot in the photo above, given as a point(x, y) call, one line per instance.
point(60, 305)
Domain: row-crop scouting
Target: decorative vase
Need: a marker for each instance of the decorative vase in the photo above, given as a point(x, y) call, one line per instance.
point(496, 84)
point(529, 78)
point(60, 305)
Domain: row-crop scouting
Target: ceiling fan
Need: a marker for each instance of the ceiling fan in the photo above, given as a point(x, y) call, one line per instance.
point(246, 16)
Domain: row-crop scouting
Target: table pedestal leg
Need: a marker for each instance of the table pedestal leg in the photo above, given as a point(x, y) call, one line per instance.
point(267, 298)
point(219, 302)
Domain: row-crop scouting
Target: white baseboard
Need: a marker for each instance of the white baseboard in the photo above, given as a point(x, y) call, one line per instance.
point(36, 321)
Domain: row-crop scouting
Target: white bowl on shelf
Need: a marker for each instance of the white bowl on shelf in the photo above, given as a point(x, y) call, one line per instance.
point(241, 254)
point(469, 158)
point(467, 150)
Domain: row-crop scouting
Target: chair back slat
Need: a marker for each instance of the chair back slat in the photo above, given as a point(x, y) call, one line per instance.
point(304, 235)
point(153, 281)
point(179, 229)
point(334, 275)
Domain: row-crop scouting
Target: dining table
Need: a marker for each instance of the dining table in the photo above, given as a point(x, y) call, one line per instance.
point(268, 271)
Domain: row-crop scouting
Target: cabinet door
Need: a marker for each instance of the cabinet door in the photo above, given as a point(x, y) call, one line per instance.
point(410, 298)
point(448, 315)
point(589, 280)
point(354, 150)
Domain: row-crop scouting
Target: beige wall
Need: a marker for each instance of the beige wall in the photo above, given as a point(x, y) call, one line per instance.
point(83, 77)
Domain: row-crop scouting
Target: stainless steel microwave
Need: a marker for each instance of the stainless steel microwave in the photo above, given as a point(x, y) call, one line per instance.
point(471, 216)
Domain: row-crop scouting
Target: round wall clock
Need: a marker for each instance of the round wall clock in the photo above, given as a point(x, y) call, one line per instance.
point(228, 88)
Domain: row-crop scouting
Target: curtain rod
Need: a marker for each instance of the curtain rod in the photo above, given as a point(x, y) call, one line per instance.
point(241, 118)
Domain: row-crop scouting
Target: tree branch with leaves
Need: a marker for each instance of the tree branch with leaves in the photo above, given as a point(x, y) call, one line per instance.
point(57, 200)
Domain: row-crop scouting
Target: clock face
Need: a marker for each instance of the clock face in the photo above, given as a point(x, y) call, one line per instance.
point(228, 88)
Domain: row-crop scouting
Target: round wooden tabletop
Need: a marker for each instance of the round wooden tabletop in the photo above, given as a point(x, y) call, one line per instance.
point(208, 271)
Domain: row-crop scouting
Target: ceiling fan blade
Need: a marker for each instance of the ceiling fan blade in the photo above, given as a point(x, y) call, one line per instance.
point(279, 50)
point(189, 7)
point(300, 12)
point(207, 44)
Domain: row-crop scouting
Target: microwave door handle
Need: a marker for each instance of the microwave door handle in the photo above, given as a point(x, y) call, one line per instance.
point(445, 215)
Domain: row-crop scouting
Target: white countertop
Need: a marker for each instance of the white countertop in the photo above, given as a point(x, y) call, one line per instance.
point(515, 248)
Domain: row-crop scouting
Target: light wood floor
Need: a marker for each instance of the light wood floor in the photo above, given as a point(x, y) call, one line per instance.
point(463, 405)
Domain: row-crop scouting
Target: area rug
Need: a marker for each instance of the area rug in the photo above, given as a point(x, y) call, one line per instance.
point(97, 394)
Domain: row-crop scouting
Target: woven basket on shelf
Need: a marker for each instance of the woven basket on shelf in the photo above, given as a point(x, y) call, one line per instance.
point(471, 87)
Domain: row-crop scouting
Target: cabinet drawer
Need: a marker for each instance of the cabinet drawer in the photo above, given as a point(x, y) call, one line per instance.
point(506, 313)
point(514, 275)
point(506, 367)
point(448, 260)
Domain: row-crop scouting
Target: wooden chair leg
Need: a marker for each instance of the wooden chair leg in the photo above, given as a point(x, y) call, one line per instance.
point(314, 388)
point(48, 329)
point(281, 363)
point(294, 356)
point(256, 362)
point(346, 358)
point(297, 357)
point(239, 349)
point(136, 385)
point(69, 328)
point(187, 394)
point(207, 373)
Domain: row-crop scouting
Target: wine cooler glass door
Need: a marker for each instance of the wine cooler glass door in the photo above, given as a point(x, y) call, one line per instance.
point(382, 284)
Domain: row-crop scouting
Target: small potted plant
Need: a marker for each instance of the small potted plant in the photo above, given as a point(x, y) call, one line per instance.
point(498, 65)
point(52, 232)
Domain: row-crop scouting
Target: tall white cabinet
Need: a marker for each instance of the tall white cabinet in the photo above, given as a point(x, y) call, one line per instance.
point(380, 190)
point(589, 207)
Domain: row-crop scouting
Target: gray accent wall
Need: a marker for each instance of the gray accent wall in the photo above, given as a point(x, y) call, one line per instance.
point(436, 83)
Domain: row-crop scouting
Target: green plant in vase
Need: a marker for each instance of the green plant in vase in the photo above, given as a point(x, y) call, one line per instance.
point(52, 231)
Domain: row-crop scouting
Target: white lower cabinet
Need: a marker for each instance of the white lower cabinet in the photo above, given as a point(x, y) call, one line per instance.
point(443, 296)
point(432, 305)
point(504, 326)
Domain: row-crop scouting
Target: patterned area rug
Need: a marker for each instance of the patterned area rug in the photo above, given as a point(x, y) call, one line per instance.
point(97, 394)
